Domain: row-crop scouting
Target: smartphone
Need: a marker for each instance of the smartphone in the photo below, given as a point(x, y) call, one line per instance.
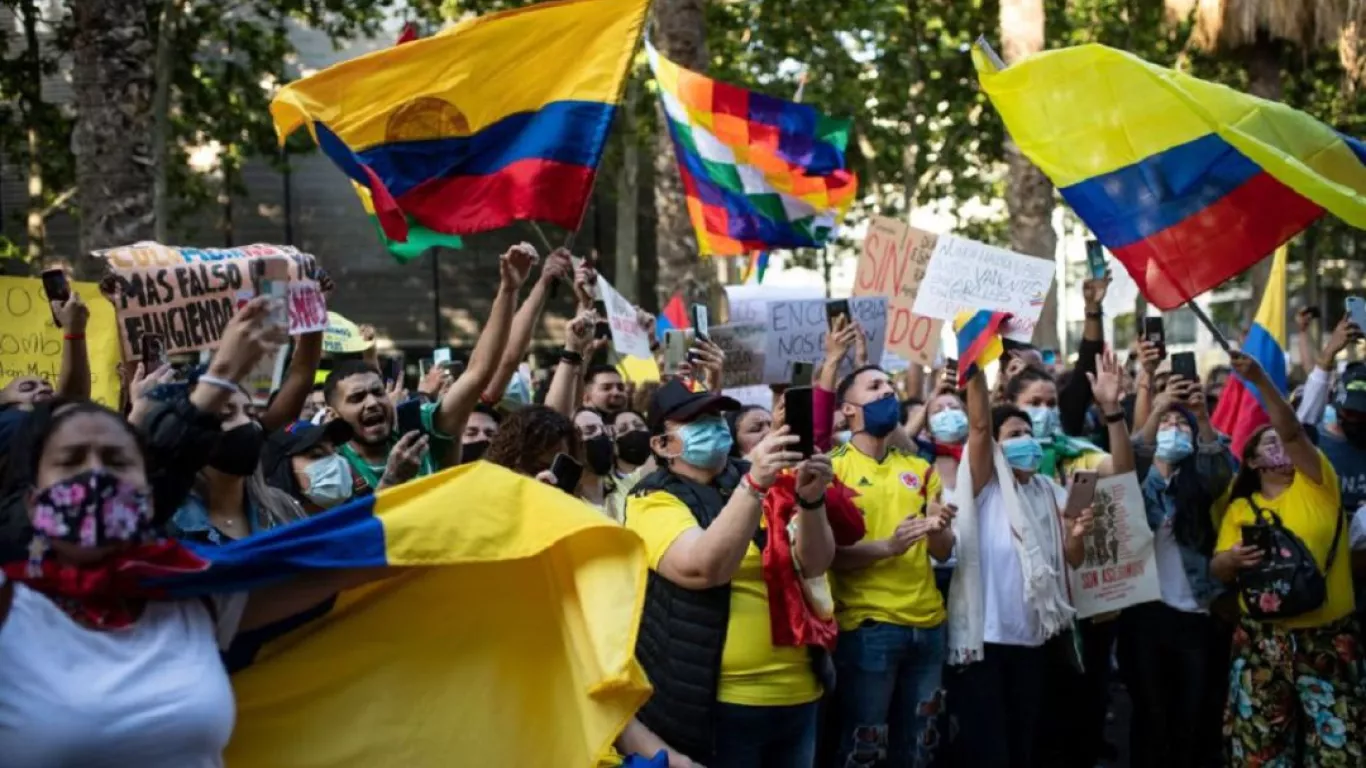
point(699, 322)
point(1183, 365)
point(1154, 332)
point(802, 374)
point(1356, 310)
point(409, 416)
point(153, 352)
point(602, 330)
point(1081, 493)
point(1049, 356)
point(799, 418)
point(675, 350)
point(1257, 536)
point(834, 309)
point(441, 355)
point(1095, 259)
point(567, 473)
point(56, 288)
point(393, 369)
point(272, 280)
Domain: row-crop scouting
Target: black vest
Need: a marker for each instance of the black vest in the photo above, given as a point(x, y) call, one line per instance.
point(683, 631)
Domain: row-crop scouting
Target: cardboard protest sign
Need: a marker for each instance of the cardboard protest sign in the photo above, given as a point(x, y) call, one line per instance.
point(1120, 568)
point(891, 264)
point(743, 344)
point(31, 344)
point(188, 295)
point(796, 334)
point(965, 275)
point(749, 303)
point(639, 370)
point(628, 338)
point(343, 336)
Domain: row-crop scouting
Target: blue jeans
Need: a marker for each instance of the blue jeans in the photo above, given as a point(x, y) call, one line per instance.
point(888, 695)
point(765, 737)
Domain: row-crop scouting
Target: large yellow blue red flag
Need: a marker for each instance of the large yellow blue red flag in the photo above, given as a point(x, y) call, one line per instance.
point(1186, 182)
point(1241, 408)
point(498, 119)
point(507, 636)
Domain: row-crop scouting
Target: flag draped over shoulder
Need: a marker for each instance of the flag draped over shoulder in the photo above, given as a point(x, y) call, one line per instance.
point(979, 341)
point(1186, 182)
point(498, 119)
point(507, 638)
point(758, 172)
point(1241, 409)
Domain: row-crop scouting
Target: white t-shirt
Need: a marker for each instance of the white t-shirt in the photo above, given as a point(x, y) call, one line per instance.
point(1006, 619)
point(1171, 572)
point(153, 695)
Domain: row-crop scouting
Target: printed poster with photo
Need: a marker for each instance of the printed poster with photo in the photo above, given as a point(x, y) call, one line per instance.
point(1120, 568)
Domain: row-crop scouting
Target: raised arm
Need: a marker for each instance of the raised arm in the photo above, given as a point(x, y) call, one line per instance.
point(1150, 356)
point(1316, 388)
point(1106, 384)
point(980, 440)
point(74, 381)
point(562, 395)
point(1075, 398)
point(837, 344)
point(1302, 453)
point(297, 384)
point(463, 395)
point(815, 548)
point(556, 267)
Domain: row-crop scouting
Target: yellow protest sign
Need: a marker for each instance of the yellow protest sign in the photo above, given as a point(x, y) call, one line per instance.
point(31, 344)
point(638, 369)
point(342, 335)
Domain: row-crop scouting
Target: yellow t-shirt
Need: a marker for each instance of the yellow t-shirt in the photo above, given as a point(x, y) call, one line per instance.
point(1091, 460)
point(898, 590)
point(753, 670)
point(1309, 511)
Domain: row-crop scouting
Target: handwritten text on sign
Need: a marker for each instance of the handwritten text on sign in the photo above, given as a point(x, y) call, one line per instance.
point(31, 344)
point(892, 263)
point(743, 344)
point(1120, 567)
point(627, 336)
point(188, 295)
point(796, 334)
point(965, 275)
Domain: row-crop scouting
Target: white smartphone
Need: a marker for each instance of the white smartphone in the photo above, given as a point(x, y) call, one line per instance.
point(441, 356)
point(1356, 310)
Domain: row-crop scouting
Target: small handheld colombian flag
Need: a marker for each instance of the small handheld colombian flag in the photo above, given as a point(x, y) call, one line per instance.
point(1186, 182)
point(498, 119)
point(979, 341)
point(1240, 410)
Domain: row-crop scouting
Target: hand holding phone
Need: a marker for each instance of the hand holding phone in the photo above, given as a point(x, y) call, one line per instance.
point(1183, 365)
point(153, 352)
point(1356, 310)
point(272, 280)
point(1095, 259)
point(700, 323)
point(1154, 332)
point(1081, 493)
point(798, 416)
point(675, 350)
point(834, 310)
point(57, 289)
point(802, 374)
point(567, 472)
point(408, 414)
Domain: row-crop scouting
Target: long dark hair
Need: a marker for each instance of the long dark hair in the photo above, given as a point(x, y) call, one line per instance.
point(1192, 524)
point(1248, 481)
point(733, 419)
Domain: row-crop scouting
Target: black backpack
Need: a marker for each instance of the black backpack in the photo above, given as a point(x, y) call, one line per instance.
point(1288, 582)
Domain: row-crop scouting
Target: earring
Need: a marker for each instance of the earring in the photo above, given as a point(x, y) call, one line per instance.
point(37, 551)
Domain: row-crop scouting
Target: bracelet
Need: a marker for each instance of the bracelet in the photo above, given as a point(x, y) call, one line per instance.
point(1097, 315)
point(214, 381)
point(752, 489)
point(1114, 418)
point(572, 358)
point(74, 336)
point(817, 504)
point(749, 478)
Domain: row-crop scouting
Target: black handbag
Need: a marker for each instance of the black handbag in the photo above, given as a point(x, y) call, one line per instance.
point(1288, 582)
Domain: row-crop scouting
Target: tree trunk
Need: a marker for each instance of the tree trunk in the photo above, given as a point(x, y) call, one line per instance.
point(680, 33)
point(112, 81)
point(1029, 193)
point(161, 117)
point(32, 98)
point(1263, 79)
point(628, 197)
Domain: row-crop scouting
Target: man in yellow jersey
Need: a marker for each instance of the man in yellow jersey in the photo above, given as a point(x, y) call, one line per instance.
point(725, 695)
point(892, 642)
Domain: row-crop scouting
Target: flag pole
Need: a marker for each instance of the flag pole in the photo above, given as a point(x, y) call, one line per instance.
point(996, 60)
point(1200, 315)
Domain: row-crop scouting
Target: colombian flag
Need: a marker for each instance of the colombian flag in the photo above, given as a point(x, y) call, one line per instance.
point(979, 341)
point(1240, 409)
point(1186, 182)
point(498, 119)
point(506, 637)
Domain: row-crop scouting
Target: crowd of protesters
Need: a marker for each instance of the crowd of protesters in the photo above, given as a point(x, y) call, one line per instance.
point(897, 597)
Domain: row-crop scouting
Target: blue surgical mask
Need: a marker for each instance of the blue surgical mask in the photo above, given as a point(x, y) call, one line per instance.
point(1173, 445)
point(1045, 421)
point(706, 443)
point(882, 416)
point(843, 436)
point(949, 427)
point(329, 481)
point(1023, 453)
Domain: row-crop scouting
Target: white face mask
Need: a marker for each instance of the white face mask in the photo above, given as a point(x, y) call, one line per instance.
point(329, 481)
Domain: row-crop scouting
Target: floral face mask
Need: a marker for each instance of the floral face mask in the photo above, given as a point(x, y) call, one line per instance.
point(92, 509)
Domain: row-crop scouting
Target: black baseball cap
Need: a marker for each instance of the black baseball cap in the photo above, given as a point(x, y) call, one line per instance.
point(1351, 394)
point(675, 402)
point(297, 438)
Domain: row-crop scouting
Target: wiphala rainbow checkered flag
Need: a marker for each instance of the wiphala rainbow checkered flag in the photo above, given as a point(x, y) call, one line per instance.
point(759, 172)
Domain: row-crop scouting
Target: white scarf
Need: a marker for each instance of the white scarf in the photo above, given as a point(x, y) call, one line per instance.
point(1039, 546)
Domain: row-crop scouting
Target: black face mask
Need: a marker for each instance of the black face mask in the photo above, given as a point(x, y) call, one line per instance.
point(470, 452)
point(597, 452)
point(238, 450)
point(634, 447)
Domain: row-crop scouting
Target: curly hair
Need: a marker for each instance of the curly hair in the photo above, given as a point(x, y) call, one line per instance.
point(528, 434)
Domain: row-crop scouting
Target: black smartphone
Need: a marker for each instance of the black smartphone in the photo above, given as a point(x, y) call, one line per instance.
point(834, 309)
point(56, 288)
point(802, 374)
point(700, 325)
point(1314, 312)
point(1183, 365)
point(1095, 259)
point(153, 352)
point(1257, 536)
point(409, 416)
point(1154, 332)
point(567, 473)
point(799, 418)
point(602, 330)
point(393, 369)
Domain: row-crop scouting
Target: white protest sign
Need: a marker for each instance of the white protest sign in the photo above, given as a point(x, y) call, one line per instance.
point(1120, 568)
point(965, 275)
point(749, 303)
point(761, 396)
point(743, 344)
point(627, 336)
point(796, 334)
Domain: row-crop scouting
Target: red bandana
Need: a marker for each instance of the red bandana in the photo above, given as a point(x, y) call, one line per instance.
point(953, 451)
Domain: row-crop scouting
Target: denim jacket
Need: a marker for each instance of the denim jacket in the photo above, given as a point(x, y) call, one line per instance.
point(1214, 463)
point(192, 523)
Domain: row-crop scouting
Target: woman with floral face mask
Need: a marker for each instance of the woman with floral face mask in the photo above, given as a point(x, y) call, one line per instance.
point(1296, 694)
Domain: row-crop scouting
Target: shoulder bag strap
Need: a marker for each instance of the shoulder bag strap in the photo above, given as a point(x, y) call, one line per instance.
point(1337, 537)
